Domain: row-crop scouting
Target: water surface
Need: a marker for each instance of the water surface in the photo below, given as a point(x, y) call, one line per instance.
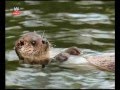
point(88, 25)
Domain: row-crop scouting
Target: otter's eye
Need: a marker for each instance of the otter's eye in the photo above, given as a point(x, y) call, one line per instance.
point(44, 42)
point(33, 42)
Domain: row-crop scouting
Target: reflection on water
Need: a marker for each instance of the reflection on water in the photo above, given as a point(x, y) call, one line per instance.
point(88, 25)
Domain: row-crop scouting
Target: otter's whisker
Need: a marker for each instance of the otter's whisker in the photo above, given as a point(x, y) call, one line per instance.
point(43, 34)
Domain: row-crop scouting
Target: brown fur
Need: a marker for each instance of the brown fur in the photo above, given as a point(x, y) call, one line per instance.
point(104, 62)
point(31, 49)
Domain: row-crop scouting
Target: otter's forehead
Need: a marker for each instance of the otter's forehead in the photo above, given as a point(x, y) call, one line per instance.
point(31, 36)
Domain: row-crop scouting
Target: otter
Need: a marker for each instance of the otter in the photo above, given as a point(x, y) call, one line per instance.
point(32, 48)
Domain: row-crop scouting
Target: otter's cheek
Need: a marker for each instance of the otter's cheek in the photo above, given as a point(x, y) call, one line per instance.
point(46, 47)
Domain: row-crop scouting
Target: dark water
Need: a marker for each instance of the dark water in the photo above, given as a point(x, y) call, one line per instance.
point(88, 25)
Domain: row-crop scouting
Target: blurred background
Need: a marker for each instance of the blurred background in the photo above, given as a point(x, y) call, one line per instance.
point(88, 25)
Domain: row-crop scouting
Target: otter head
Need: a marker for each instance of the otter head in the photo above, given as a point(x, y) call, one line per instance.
point(33, 49)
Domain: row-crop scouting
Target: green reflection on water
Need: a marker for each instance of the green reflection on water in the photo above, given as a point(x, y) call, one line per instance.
point(64, 28)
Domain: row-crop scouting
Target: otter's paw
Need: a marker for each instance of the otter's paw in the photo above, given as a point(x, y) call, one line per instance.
point(73, 51)
point(61, 57)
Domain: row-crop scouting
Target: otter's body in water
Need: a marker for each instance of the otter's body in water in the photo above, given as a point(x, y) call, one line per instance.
point(32, 48)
